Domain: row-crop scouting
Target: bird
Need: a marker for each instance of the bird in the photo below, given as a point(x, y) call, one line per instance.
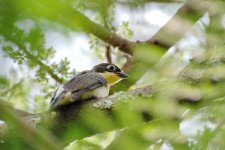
point(88, 84)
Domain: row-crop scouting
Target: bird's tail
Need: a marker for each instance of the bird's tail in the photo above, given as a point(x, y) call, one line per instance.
point(57, 97)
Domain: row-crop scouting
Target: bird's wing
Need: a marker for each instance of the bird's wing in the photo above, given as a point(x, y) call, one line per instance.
point(85, 80)
point(81, 83)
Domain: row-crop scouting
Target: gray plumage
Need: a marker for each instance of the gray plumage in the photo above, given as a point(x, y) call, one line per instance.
point(83, 82)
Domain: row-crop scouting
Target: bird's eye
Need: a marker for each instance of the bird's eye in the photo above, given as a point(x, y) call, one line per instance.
point(111, 67)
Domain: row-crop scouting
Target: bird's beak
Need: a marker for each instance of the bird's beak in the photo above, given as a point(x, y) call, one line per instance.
point(122, 75)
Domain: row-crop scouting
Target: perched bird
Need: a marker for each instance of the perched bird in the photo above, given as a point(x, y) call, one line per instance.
point(88, 84)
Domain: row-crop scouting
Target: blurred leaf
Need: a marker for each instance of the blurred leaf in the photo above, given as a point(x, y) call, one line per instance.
point(3, 82)
point(84, 145)
point(125, 31)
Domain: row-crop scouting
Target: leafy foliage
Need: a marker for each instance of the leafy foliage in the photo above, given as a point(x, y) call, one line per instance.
point(125, 31)
point(165, 119)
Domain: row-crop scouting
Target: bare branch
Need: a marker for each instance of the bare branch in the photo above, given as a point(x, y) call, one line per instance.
point(108, 54)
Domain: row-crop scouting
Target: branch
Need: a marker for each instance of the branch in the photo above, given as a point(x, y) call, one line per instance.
point(19, 112)
point(64, 14)
point(107, 36)
point(178, 25)
point(126, 67)
point(167, 36)
point(78, 119)
point(78, 115)
point(108, 54)
point(46, 141)
point(73, 19)
point(41, 64)
point(108, 48)
point(33, 58)
point(69, 117)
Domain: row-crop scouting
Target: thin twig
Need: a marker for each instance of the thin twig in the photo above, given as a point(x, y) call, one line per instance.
point(128, 63)
point(108, 54)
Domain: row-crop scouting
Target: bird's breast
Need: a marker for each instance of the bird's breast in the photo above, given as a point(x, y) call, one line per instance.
point(97, 93)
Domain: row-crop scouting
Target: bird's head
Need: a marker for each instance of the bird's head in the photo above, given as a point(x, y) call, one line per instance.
point(110, 72)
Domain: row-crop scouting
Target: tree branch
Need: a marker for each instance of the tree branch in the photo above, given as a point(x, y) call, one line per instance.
point(41, 64)
point(64, 14)
point(65, 119)
point(25, 130)
point(108, 54)
point(33, 58)
point(19, 112)
point(126, 67)
point(78, 116)
point(177, 26)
